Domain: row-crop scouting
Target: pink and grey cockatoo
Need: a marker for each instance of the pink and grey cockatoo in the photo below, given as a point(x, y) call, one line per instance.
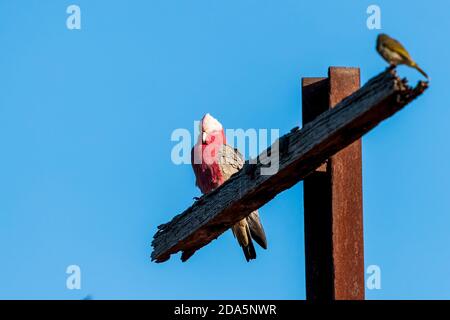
point(214, 162)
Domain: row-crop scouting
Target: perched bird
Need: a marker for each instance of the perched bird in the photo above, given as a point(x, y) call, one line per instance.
point(214, 162)
point(395, 54)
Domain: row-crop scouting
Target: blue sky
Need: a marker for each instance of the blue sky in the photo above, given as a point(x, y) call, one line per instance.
point(86, 118)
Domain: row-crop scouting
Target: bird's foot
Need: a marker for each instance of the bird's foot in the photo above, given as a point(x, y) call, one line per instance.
point(391, 67)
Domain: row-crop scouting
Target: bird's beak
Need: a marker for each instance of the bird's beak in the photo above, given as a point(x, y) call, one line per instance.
point(204, 137)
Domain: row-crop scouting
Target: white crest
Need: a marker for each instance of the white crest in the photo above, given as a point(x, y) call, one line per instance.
point(210, 124)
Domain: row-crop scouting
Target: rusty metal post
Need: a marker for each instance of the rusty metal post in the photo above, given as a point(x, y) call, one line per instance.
point(334, 250)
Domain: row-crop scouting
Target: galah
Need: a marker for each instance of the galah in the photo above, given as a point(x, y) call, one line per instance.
point(214, 162)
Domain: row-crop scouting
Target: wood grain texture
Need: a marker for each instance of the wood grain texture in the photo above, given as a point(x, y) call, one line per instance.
point(300, 152)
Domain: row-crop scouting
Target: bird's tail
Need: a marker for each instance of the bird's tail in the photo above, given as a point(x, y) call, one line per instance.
point(241, 231)
point(256, 229)
point(249, 251)
point(416, 66)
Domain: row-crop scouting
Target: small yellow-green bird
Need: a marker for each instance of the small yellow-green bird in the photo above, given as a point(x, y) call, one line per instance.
point(394, 53)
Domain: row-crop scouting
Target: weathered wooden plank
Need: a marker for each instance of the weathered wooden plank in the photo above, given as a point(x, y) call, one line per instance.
point(300, 152)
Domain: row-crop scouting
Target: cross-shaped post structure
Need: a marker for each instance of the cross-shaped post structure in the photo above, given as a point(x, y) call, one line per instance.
point(326, 154)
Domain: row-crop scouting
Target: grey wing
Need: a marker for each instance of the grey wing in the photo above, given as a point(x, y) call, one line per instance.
point(230, 161)
point(256, 229)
